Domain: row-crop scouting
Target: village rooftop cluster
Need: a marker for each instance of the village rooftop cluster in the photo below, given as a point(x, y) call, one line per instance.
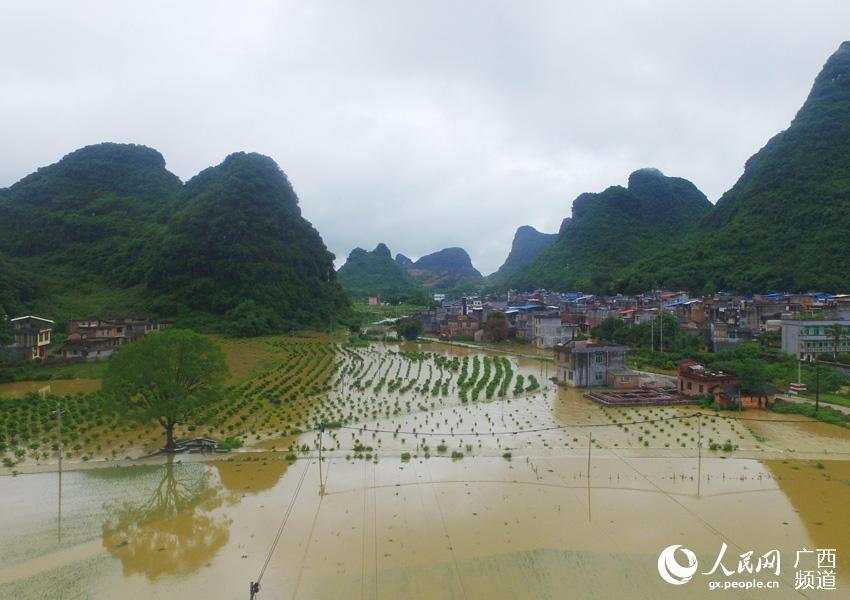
point(563, 323)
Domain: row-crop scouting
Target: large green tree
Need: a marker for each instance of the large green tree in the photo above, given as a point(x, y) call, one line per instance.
point(166, 377)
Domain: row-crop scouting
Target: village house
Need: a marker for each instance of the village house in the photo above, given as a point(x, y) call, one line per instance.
point(805, 339)
point(32, 337)
point(99, 339)
point(586, 364)
point(548, 330)
point(730, 396)
point(695, 380)
point(520, 319)
point(463, 326)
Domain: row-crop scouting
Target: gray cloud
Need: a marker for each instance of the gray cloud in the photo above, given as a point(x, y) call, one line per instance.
point(422, 125)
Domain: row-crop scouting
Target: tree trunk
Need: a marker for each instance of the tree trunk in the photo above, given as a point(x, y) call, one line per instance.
point(169, 437)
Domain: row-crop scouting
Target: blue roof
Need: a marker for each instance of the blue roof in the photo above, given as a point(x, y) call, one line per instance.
point(514, 309)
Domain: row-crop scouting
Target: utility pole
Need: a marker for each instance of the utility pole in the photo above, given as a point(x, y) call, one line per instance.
point(589, 441)
point(699, 452)
point(817, 386)
point(59, 445)
point(321, 481)
point(661, 327)
point(652, 334)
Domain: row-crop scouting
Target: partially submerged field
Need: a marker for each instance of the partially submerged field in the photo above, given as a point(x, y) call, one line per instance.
point(447, 472)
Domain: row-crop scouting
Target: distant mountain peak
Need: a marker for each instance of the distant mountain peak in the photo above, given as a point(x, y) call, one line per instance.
point(382, 250)
point(611, 229)
point(445, 269)
point(375, 273)
point(528, 244)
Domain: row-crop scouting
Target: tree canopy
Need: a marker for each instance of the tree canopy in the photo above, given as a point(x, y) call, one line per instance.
point(611, 229)
point(375, 273)
point(109, 230)
point(166, 377)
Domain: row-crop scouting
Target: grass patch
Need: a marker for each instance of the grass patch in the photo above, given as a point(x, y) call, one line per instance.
point(824, 414)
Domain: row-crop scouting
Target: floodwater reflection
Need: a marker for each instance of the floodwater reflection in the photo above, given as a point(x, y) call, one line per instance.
point(251, 476)
point(172, 531)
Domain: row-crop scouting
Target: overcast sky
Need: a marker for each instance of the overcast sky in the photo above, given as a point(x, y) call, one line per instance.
point(420, 124)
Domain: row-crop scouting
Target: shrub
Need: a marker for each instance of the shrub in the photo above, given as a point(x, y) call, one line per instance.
point(230, 443)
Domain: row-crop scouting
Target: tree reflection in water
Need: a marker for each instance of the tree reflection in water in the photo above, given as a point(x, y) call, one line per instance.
point(172, 532)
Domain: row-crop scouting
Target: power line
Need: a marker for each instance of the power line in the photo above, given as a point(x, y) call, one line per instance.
point(255, 586)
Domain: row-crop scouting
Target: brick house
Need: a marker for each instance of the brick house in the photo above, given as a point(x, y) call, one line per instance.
point(99, 339)
point(695, 380)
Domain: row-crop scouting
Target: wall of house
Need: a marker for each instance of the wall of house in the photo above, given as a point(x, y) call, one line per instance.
point(807, 339)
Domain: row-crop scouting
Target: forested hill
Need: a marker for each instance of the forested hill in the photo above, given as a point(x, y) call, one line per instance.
point(785, 225)
point(403, 260)
point(238, 246)
point(449, 269)
point(375, 273)
point(527, 245)
point(611, 229)
point(93, 210)
point(109, 230)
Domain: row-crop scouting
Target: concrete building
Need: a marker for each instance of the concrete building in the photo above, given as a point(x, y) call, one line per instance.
point(806, 339)
point(548, 330)
point(32, 337)
point(586, 364)
point(695, 380)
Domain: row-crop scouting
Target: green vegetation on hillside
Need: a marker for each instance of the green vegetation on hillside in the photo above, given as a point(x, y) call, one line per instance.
point(239, 247)
point(375, 273)
point(611, 229)
point(447, 270)
point(784, 225)
point(108, 230)
point(527, 245)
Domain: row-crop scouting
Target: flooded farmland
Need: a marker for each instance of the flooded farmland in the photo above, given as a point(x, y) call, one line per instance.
point(59, 387)
point(429, 489)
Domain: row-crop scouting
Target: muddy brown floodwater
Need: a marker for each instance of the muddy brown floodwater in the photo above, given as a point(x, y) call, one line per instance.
point(537, 524)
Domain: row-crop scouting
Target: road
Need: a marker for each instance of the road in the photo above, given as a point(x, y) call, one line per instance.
point(797, 400)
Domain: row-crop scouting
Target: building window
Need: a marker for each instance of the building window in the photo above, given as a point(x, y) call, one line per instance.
point(700, 388)
point(598, 376)
point(570, 375)
point(690, 385)
point(600, 357)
